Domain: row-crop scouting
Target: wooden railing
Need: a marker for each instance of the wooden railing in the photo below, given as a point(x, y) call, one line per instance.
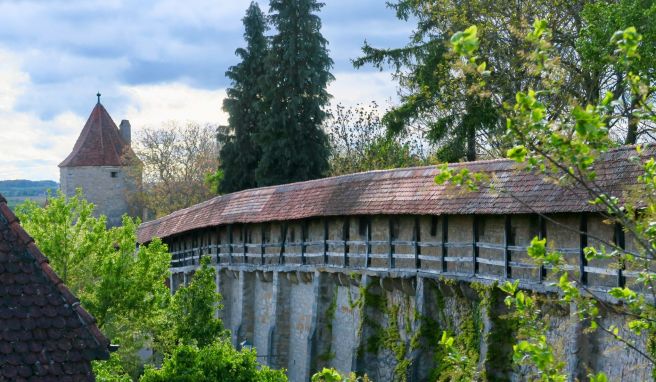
point(345, 253)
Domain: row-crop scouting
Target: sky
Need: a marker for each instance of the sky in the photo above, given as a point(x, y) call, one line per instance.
point(154, 61)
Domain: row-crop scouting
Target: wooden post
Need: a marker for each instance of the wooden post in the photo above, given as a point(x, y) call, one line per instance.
point(367, 244)
point(445, 240)
point(583, 242)
point(304, 229)
point(507, 227)
point(390, 238)
point(218, 245)
point(281, 256)
point(345, 238)
point(475, 251)
point(416, 237)
point(184, 252)
point(325, 241)
point(262, 238)
point(230, 243)
point(542, 234)
point(620, 241)
point(244, 231)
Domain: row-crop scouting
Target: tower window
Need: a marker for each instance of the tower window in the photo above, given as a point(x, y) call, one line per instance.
point(114, 174)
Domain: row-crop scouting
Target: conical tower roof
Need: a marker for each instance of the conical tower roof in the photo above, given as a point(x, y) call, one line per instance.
point(100, 143)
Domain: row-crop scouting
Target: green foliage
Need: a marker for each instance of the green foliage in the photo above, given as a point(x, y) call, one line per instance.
point(332, 375)
point(240, 154)
point(456, 361)
point(457, 95)
point(218, 361)
point(110, 370)
point(68, 233)
point(193, 309)
point(532, 347)
point(121, 285)
point(566, 149)
point(213, 180)
point(294, 146)
point(359, 142)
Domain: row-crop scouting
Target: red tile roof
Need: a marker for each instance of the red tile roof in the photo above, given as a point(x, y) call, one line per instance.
point(100, 143)
point(401, 191)
point(44, 332)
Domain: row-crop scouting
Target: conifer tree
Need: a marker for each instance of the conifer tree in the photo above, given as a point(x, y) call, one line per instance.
point(294, 147)
point(240, 153)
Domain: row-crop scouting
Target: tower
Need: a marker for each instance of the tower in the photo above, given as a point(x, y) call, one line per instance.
point(104, 166)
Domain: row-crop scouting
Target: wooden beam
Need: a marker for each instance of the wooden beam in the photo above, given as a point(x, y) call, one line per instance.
point(367, 245)
point(281, 256)
point(620, 242)
point(475, 251)
point(445, 240)
point(230, 243)
point(390, 238)
point(416, 238)
point(244, 231)
point(583, 242)
point(542, 234)
point(218, 244)
point(263, 226)
point(304, 229)
point(507, 231)
point(325, 241)
point(345, 236)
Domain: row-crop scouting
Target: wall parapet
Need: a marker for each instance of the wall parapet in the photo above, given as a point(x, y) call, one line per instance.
point(476, 247)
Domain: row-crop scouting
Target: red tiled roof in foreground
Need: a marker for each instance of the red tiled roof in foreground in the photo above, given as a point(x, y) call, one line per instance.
point(99, 143)
point(45, 334)
point(401, 191)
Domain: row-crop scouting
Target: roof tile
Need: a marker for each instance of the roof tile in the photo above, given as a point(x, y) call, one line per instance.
point(100, 143)
point(37, 312)
point(402, 191)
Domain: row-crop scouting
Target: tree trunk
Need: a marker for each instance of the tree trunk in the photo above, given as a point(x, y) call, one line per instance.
point(471, 142)
point(632, 124)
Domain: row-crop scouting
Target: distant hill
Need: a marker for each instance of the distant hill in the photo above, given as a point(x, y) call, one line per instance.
point(17, 191)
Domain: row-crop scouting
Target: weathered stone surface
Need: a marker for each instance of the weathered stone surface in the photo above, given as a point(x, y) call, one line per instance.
point(304, 321)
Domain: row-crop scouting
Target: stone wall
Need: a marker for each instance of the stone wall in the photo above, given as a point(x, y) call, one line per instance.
point(374, 294)
point(106, 187)
point(389, 327)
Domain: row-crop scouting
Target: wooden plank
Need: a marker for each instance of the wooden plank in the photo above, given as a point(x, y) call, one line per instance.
point(475, 251)
point(620, 241)
point(367, 251)
point(281, 256)
point(583, 242)
point(542, 234)
point(263, 226)
point(230, 243)
point(304, 228)
point(390, 232)
point(417, 238)
point(445, 241)
point(506, 242)
point(345, 237)
point(325, 240)
point(244, 231)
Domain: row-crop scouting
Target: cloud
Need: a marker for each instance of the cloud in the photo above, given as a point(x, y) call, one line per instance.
point(153, 105)
point(153, 61)
point(353, 88)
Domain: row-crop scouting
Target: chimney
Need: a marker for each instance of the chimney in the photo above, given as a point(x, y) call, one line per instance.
point(126, 131)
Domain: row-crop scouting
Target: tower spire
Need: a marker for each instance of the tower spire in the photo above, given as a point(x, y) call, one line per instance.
point(98, 95)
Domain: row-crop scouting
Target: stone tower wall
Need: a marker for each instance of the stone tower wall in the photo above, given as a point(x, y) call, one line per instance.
point(105, 186)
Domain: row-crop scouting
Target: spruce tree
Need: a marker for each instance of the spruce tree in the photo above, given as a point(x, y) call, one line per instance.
point(240, 154)
point(294, 146)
